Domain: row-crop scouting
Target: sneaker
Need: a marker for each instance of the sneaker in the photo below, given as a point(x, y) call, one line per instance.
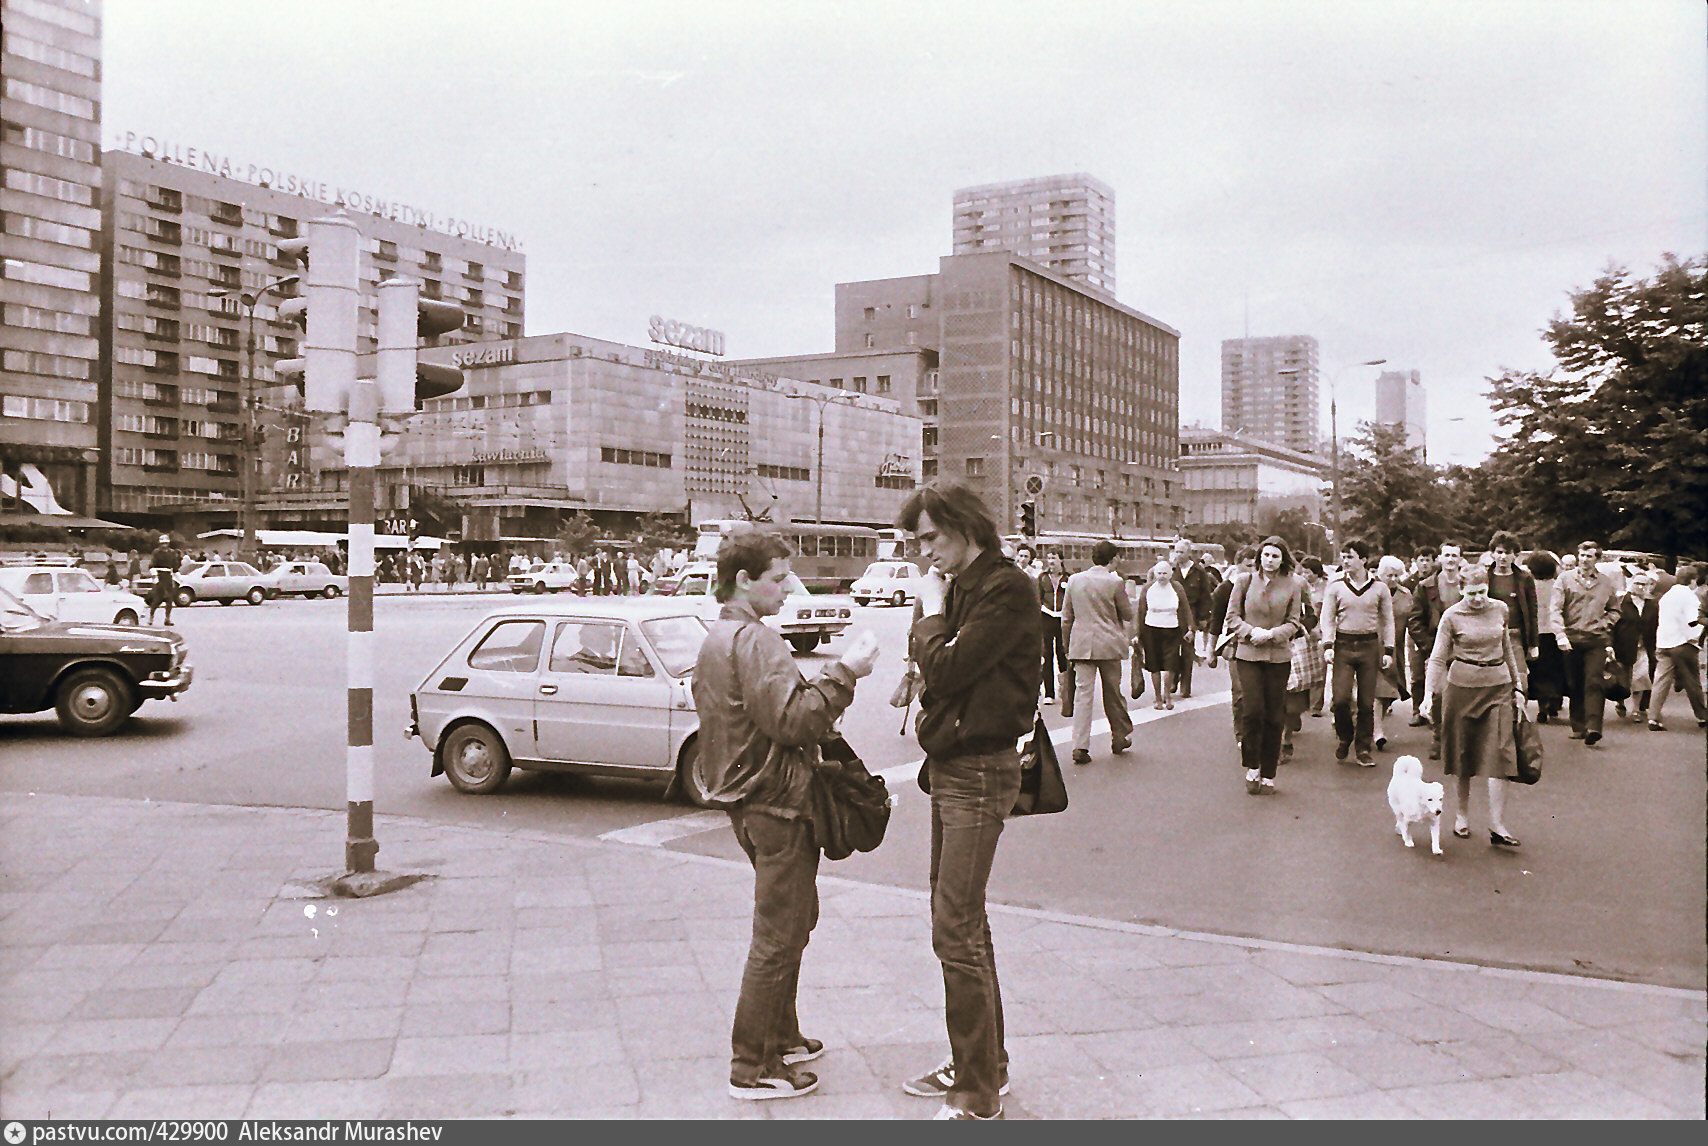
point(1266, 787)
point(1365, 760)
point(938, 1081)
point(786, 1083)
point(804, 1051)
point(1657, 726)
point(958, 1114)
point(1050, 700)
point(1576, 734)
point(1081, 756)
point(1341, 749)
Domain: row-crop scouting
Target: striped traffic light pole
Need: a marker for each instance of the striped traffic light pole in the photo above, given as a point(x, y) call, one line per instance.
point(361, 458)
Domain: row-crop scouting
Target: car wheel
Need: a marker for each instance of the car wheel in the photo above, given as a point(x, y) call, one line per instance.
point(899, 599)
point(681, 788)
point(186, 598)
point(331, 592)
point(805, 642)
point(256, 595)
point(475, 759)
point(126, 617)
point(540, 587)
point(226, 600)
point(93, 702)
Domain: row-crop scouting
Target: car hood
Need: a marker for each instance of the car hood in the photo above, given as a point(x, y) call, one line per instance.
point(122, 638)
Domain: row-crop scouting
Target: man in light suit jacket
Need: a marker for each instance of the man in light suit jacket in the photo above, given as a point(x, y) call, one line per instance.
point(1097, 623)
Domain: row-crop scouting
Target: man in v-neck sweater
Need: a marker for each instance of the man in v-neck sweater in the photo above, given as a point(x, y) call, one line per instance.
point(1358, 641)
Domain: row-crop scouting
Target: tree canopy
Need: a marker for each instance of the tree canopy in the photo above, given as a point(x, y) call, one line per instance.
point(1612, 444)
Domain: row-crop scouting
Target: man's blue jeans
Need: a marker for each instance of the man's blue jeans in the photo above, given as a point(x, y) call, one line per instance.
point(970, 798)
point(1357, 660)
point(785, 910)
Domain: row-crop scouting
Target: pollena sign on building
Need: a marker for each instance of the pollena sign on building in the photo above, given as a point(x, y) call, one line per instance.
point(308, 187)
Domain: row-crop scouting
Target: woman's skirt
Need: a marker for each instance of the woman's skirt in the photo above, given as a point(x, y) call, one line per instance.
point(1161, 647)
point(1477, 731)
point(1548, 672)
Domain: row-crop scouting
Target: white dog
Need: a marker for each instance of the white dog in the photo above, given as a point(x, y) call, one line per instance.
point(1412, 801)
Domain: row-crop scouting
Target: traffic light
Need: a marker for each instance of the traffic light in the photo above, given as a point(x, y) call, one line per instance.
point(328, 310)
point(404, 317)
point(1029, 518)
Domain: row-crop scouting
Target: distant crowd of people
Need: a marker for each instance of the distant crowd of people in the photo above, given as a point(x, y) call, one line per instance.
point(604, 572)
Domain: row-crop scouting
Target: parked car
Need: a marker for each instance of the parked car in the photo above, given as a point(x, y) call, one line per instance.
point(93, 675)
point(65, 593)
point(593, 685)
point(308, 578)
point(893, 581)
point(806, 620)
point(547, 577)
point(223, 581)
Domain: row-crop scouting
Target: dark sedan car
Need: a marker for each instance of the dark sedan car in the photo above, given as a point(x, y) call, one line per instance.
point(93, 675)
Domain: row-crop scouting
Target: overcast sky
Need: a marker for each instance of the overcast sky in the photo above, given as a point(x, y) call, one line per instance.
point(1422, 182)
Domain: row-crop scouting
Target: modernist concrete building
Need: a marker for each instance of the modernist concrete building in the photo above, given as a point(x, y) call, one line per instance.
point(563, 423)
point(1063, 222)
point(1400, 402)
point(1035, 375)
point(1232, 477)
point(1269, 390)
point(50, 108)
point(181, 226)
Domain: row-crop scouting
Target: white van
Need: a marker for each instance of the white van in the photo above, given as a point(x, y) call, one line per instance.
point(891, 581)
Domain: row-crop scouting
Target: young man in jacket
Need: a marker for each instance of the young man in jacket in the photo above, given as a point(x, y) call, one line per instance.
point(761, 724)
point(976, 644)
point(1431, 598)
point(1586, 604)
point(1358, 643)
point(1052, 595)
point(1198, 585)
point(1097, 628)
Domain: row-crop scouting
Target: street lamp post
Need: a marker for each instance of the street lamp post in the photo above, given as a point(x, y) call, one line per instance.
point(1334, 443)
point(821, 400)
point(247, 505)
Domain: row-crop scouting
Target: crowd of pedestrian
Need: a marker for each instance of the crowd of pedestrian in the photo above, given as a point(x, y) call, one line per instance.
point(1469, 644)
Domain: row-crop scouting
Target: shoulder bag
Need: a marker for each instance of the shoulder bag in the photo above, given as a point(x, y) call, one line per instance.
point(1528, 747)
point(850, 806)
point(1042, 789)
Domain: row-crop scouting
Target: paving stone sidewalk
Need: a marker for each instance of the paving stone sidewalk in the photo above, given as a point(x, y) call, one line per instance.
point(154, 963)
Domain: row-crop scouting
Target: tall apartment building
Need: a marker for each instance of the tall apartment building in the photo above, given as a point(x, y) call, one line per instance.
point(1035, 375)
point(1400, 402)
point(50, 106)
point(1063, 222)
point(180, 243)
point(1269, 390)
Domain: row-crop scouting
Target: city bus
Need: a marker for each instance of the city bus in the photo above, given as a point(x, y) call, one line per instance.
point(1134, 556)
point(827, 558)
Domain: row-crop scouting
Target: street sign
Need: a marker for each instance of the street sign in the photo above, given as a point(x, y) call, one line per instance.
point(1034, 485)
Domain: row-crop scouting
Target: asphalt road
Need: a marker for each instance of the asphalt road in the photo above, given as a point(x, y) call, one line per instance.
point(1609, 881)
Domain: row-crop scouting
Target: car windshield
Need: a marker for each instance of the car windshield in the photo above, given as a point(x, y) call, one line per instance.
point(677, 641)
point(239, 569)
point(17, 617)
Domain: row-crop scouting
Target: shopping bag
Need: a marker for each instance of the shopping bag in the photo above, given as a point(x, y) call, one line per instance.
point(1528, 743)
point(1042, 789)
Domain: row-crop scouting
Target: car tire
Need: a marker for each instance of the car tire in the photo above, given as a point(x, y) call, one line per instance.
point(681, 789)
point(475, 759)
point(805, 642)
point(256, 595)
point(899, 599)
point(227, 600)
point(186, 598)
point(127, 617)
point(93, 702)
point(540, 588)
point(331, 592)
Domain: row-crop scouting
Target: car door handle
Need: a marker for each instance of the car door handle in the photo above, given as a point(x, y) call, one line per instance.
point(548, 690)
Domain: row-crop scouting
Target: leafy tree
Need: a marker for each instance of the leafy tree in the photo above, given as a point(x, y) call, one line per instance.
point(1388, 494)
point(1294, 525)
point(1613, 442)
point(577, 534)
point(655, 531)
